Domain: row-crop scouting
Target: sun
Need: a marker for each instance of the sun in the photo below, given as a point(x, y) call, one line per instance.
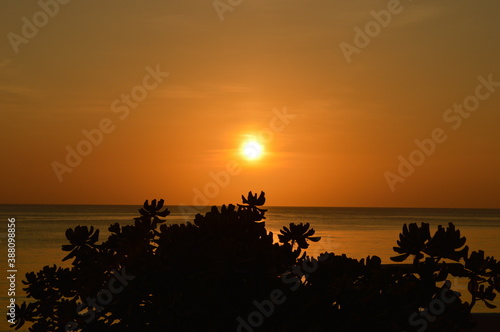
point(252, 150)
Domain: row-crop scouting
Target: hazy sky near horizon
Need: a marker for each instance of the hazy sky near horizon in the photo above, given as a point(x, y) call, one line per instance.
point(356, 102)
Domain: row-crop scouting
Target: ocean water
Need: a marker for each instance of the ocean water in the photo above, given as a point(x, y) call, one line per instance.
point(356, 232)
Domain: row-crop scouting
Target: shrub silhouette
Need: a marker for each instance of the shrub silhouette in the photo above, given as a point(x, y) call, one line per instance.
point(212, 274)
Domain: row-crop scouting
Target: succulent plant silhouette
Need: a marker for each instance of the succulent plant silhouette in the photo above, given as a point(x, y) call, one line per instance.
point(215, 273)
point(253, 200)
point(154, 209)
point(298, 234)
point(448, 244)
point(82, 240)
point(484, 274)
point(149, 218)
point(251, 203)
point(412, 241)
point(417, 241)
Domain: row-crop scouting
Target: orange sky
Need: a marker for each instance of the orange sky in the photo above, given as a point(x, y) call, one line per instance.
point(355, 102)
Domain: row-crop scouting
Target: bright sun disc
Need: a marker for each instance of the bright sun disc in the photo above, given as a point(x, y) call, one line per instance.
point(252, 150)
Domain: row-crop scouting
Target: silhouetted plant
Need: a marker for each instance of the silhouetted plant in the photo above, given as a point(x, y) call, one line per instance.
point(298, 234)
point(203, 276)
point(251, 203)
point(447, 244)
point(82, 241)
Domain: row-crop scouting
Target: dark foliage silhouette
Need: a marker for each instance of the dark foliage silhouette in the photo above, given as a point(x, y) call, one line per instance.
point(207, 275)
point(431, 254)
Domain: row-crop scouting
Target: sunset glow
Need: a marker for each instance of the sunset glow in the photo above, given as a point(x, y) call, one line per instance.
point(272, 145)
point(373, 103)
point(252, 150)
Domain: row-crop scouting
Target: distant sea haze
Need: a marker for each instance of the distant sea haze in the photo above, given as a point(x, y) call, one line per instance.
point(356, 232)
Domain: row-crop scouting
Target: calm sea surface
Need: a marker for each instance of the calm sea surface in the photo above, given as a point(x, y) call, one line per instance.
point(357, 232)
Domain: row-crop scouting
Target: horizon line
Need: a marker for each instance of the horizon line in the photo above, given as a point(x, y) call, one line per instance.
point(265, 206)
